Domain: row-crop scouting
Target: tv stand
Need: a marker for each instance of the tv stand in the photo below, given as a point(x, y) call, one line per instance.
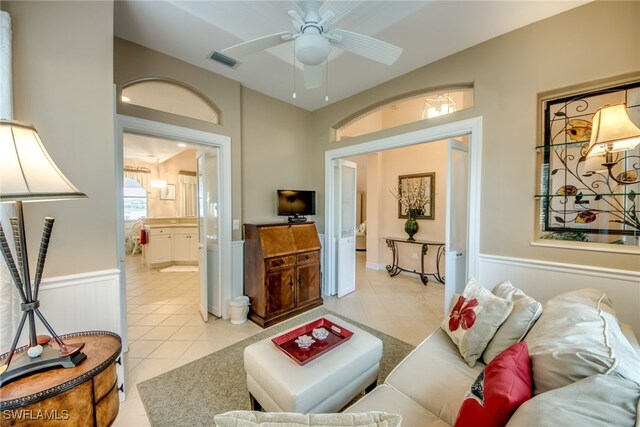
point(297, 218)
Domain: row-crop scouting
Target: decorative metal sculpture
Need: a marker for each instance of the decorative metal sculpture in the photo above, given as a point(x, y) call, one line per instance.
point(588, 195)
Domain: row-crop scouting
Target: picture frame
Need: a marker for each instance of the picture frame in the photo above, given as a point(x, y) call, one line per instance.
point(428, 179)
point(168, 192)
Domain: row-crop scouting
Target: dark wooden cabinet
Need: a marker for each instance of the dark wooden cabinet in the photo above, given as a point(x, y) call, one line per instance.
point(281, 270)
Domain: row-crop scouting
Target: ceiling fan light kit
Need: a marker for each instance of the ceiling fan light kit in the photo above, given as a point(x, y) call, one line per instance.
point(312, 43)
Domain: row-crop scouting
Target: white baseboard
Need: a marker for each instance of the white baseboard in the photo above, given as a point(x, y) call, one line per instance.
point(375, 266)
point(543, 280)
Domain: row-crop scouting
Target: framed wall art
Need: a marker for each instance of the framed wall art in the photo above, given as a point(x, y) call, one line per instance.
point(417, 192)
point(168, 192)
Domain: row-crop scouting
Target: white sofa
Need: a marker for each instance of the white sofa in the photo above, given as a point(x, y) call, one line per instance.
point(428, 387)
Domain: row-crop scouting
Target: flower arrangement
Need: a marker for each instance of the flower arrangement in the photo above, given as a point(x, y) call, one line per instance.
point(412, 195)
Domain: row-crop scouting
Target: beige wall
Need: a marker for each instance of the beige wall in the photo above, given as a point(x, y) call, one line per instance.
point(508, 73)
point(168, 171)
point(133, 62)
point(276, 154)
point(269, 137)
point(63, 84)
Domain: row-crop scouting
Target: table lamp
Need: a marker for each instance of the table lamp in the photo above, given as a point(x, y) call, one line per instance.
point(27, 174)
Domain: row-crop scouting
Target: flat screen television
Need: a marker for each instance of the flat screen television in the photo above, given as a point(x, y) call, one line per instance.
point(296, 204)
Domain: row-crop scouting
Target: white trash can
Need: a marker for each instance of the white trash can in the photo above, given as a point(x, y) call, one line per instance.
point(238, 309)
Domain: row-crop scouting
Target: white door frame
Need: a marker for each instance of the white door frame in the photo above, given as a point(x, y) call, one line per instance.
point(471, 127)
point(167, 131)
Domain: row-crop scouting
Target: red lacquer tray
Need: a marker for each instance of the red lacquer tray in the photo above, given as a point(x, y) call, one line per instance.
point(287, 342)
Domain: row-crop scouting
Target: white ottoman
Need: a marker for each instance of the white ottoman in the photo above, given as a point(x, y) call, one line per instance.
point(326, 384)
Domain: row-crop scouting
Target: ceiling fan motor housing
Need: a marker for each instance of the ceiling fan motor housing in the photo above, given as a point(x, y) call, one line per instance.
point(312, 49)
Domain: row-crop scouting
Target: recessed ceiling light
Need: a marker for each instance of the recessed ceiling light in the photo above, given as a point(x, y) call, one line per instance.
point(181, 144)
point(125, 98)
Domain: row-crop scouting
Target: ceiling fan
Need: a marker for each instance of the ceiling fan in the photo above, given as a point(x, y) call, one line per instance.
point(313, 41)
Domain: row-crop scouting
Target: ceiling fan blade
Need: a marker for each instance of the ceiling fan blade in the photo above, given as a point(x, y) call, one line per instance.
point(339, 8)
point(366, 46)
point(255, 45)
point(313, 76)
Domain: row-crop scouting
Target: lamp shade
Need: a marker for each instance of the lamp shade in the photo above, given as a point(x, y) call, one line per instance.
point(612, 131)
point(27, 173)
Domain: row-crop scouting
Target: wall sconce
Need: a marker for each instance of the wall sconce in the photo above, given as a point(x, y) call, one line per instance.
point(612, 132)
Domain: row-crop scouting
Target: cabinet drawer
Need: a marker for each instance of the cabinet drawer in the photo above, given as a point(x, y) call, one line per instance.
point(185, 230)
point(308, 257)
point(160, 231)
point(284, 261)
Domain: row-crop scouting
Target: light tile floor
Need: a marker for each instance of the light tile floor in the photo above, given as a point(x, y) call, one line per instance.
point(166, 330)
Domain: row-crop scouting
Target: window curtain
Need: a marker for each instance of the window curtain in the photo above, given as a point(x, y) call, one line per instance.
point(141, 176)
point(9, 299)
point(188, 194)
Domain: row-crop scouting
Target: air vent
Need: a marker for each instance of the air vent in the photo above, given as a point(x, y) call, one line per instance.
point(223, 59)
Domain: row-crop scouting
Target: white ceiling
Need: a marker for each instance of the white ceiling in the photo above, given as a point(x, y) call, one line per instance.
point(139, 148)
point(426, 30)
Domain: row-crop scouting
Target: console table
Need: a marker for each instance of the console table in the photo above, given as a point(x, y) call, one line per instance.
point(84, 396)
point(394, 269)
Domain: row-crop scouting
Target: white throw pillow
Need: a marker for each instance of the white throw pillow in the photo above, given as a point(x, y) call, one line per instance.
point(474, 318)
point(596, 401)
point(290, 419)
point(524, 314)
point(578, 336)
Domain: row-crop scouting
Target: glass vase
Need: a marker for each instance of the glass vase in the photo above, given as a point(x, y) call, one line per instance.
point(411, 226)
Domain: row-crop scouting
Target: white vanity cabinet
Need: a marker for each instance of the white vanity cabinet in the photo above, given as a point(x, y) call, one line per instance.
point(171, 245)
point(185, 244)
point(160, 248)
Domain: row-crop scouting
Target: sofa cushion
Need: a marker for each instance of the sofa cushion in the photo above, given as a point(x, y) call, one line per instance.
point(435, 376)
point(474, 318)
point(290, 419)
point(524, 314)
point(578, 336)
point(499, 389)
point(596, 401)
point(387, 398)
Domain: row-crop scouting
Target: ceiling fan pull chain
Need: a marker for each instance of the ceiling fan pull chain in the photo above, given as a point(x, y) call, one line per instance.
point(326, 82)
point(294, 69)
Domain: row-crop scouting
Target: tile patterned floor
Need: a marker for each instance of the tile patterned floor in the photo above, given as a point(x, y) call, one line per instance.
point(166, 330)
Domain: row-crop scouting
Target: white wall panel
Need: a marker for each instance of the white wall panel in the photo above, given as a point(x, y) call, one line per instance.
point(543, 280)
point(81, 302)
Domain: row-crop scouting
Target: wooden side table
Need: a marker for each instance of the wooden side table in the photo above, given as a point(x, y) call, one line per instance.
point(86, 395)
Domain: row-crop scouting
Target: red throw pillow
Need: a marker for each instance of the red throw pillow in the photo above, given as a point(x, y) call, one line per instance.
point(501, 387)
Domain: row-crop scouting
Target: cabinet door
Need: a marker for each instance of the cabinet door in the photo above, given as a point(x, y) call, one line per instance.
point(308, 283)
point(193, 247)
point(280, 290)
point(181, 247)
point(161, 249)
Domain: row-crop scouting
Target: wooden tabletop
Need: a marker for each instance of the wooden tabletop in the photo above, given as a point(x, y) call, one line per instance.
point(101, 348)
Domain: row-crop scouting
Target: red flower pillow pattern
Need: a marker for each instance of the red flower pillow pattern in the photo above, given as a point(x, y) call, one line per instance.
point(499, 390)
point(462, 314)
point(474, 319)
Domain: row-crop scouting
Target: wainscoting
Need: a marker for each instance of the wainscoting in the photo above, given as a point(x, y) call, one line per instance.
point(82, 302)
point(543, 280)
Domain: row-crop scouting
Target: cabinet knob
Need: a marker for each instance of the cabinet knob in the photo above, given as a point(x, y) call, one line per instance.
point(300, 281)
point(290, 283)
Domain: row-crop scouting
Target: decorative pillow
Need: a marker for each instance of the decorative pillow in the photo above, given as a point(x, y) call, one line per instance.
point(524, 314)
point(474, 318)
point(501, 387)
point(289, 419)
point(578, 336)
point(596, 401)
